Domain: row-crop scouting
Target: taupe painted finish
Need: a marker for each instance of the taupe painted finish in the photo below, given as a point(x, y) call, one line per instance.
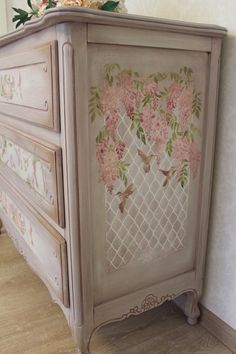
point(36, 79)
point(45, 251)
point(77, 31)
point(51, 155)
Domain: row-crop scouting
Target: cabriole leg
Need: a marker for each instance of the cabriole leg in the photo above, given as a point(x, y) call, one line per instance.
point(192, 310)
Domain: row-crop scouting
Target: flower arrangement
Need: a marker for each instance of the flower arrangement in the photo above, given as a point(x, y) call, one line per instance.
point(37, 8)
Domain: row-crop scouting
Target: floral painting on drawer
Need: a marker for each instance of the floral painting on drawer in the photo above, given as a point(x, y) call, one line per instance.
point(10, 86)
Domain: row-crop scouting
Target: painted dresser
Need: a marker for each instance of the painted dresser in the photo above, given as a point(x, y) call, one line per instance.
point(107, 127)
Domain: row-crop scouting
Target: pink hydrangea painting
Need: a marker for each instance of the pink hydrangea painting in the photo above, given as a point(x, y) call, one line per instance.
point(162, 110)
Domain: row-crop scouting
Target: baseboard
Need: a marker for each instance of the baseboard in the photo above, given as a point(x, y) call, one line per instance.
point(218, 328)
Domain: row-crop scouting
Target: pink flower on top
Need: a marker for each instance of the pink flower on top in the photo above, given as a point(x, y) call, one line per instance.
point(194, 159)
point(185, 108)
point(175, 91)
point(181, 150)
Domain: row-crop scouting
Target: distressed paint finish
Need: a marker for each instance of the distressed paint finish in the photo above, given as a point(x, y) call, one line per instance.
point(48, 252)
point(93, 303)
point(36, 172)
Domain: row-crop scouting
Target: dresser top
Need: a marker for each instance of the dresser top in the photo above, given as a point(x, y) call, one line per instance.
point(84, 15)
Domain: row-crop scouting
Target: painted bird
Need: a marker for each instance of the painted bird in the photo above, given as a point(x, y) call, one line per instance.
point(146, 160)
point(168, 174)
point(124, 196)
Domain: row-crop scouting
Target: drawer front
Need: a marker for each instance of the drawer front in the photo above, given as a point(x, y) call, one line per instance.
point(47, 247)
point(29, 86)
point(35, 168)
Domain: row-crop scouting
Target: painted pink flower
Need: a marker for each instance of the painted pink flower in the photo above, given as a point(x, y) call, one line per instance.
point(131, 100)
point(175, 91)
point(125, 82)
point(120, 149)
point(101, 149)
point(185, 108)
point(194, 159)
point(130, 97)
point(156, 129)
point(110, 109)
point(109, 169)
point(108, 164)
point(152, 90)
point(181, 150)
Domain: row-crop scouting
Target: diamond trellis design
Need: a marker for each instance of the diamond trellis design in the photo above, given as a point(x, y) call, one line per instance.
point(154, 221)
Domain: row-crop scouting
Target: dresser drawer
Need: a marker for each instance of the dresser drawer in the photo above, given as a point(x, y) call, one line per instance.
point(29, 86)
point(35, 168)
point(46, 247)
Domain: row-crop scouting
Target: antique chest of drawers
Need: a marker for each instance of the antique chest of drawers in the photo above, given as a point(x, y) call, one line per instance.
point(107, 126)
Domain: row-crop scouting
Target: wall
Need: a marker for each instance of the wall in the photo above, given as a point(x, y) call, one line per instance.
point(220, 285)
point(10, 12)
point(3, 18)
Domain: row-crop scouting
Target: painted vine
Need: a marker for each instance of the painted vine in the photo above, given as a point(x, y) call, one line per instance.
point(162, 109)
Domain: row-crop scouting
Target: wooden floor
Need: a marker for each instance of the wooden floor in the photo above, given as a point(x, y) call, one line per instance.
point(31, 324)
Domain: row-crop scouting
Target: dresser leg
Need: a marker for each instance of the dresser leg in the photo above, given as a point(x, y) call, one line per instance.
point(82, 340)
point(1, 225)
point(192, 310)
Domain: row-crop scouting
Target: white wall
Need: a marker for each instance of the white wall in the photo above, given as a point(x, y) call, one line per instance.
point(220, 285)
point(3, 17)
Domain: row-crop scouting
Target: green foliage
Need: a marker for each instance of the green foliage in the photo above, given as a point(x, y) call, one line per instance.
point(146, 100)
point(136, 124)
point(195, 130)
point(139, 84)
point(188, 73)
point(141, 135)
point(29, 4)
point(176, 77)
point(22, 17)
point(169, 147)
point(50, 4)
point(110, 5)
point(95, 103)
point(103, 134)
point(163, 93)
point(158, 77)
point(183, 174)
point(135, 121)
point(109, 72)
point(175, 133)
point(122, 172)
point(196, 106)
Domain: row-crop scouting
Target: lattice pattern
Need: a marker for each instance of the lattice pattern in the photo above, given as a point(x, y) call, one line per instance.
point(154, 221)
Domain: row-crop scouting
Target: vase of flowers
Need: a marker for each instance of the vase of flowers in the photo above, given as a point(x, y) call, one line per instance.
point(37, 8)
